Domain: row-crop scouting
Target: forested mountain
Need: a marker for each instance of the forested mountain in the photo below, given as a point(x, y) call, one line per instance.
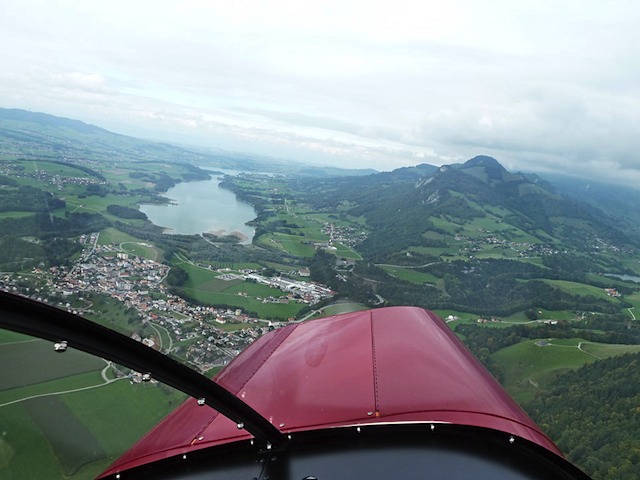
point(401, 206)
point(619, 202)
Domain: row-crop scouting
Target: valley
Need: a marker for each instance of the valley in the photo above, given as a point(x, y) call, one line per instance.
point(537, 284)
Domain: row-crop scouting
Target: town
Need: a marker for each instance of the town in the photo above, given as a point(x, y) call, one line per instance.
point(192, 333)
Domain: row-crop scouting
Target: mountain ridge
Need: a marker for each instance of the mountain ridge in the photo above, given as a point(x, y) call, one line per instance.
point(402, 207)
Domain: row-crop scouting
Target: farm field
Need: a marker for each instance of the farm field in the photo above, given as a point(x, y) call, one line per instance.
point(77, 435)
point(531, 364)
point(64, 384)
point(264, 310)
point(111, 313)
point(142, 249)
point(578, 288)
point(412, 275)
point(205, 286)
point(291, 244)
point(33, 362)
point(542, 314)
point(338, 308)
point(112, 235)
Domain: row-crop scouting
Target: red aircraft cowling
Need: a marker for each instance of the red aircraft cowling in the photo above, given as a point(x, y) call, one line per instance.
point(389, 365)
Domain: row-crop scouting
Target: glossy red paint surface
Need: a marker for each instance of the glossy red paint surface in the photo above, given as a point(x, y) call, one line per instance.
point(395, 364)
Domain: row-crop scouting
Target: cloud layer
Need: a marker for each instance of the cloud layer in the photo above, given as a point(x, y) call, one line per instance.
point(540, 85)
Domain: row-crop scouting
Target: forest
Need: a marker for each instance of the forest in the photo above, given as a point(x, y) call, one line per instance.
point(593, 414)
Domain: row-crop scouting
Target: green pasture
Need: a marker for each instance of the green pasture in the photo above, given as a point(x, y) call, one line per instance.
point(112, 313)
point(282, 267)
point(25, 451)
point(142, 249)
point(611, 282)
point(603, 350)
point(576, 288)
point(77, 435)
point(634, 299)
point(264, 310)
point(632, 264)
point(62, 384)
point(117, 424)
point(463, 317)
point(482, 226)
point(478, 228)
point(240, 265)
point(98, 204)
point(165, 338)
point(327, 218)
point(205, 280)
point(254, 290)
point(346, 252)
point(291, 244)
point(232, 327)
point(442, 224)
point(53, 168)
point(534, 260)
point(496, 210)
point(119, 174)
point(112, 235)
point(433, 235)
point(7, 336)
point(29, 363)
point(411, 275)
point(495, 251)
point(528, 366)
point(306, 224)
point(15, 214)
point(341, 307)
point(71, 443)
point(204, 286)
point(520, 317)
point(346, 221)
point(452, 249)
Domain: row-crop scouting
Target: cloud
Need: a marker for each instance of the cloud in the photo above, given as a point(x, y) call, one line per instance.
point(539, 85)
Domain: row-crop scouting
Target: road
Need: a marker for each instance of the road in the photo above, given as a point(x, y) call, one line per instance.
point(579, 347)
point(155, 327)
point(588, 353)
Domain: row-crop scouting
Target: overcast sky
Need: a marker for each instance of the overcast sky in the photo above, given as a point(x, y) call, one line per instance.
point(540, 85)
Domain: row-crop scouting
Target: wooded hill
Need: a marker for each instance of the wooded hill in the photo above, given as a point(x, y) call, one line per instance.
point(401, 206)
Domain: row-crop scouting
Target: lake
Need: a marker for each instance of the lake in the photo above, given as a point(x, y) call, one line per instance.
point(626, 278)
point(202, 207)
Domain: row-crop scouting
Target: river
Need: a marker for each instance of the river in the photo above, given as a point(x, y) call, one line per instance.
point(202, 207)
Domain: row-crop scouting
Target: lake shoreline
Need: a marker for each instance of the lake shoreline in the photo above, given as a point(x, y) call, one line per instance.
point(202, 206)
